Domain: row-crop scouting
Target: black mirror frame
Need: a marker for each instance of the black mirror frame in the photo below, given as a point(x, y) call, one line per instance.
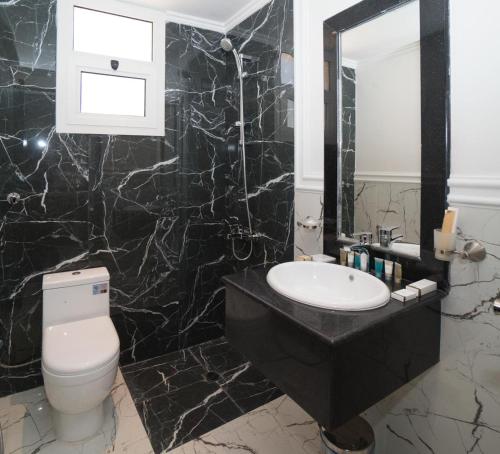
point(435, 65)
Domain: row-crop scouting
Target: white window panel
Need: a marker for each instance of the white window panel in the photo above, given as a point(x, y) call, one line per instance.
point(101, 33)
point(110, 68)
point(112, 95)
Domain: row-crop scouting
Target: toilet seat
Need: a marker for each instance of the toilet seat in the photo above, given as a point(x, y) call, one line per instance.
point(80, 349)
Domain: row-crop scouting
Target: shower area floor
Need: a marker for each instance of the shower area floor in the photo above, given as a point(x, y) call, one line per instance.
point(183, 395)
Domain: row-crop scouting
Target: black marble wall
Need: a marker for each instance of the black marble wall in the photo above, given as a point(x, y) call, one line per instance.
point(267, 39)
point(348, 148)
point(154, 210)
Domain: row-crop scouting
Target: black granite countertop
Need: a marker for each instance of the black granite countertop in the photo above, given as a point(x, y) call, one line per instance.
point(331, 326)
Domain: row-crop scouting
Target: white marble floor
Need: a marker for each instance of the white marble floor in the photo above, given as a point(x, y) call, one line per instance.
point(280, 427)
point(27, 426)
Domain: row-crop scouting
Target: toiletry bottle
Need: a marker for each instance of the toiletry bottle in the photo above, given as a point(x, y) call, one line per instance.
point(379, 268)
point(350, 259)
point(364, 262)
point(343, 256)
point(389, 267)
point(398, 273)
point(357, 260)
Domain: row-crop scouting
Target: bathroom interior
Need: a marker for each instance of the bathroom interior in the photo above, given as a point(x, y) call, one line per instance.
point(249, 226)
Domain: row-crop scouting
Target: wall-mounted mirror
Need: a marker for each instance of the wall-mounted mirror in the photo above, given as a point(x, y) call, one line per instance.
point(387, 130)
point(380, 130)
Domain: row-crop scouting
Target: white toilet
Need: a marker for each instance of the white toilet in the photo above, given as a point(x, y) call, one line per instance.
point(80, 350)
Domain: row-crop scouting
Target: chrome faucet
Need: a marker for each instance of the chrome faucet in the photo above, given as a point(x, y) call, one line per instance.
point(385, 235)
point(365, 238)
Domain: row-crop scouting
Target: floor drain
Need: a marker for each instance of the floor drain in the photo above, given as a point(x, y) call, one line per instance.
point(212, 376)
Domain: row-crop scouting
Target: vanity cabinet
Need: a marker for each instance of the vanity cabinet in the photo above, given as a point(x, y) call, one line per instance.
point(335, 365)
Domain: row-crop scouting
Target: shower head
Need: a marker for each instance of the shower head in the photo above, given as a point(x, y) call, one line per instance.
point(226, 44)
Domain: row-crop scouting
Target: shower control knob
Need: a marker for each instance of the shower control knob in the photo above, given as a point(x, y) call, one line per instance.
point(13, 198)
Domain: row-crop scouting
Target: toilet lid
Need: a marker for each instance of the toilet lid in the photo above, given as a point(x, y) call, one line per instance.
point(79, 347)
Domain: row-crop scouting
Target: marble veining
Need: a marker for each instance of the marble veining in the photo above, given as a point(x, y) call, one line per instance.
point(455, 406)
point(348, 155)
point(185, 394)
point(156, 211)
point(26, 426)
point(267, 38)
point(279, 427)
point(388, 204)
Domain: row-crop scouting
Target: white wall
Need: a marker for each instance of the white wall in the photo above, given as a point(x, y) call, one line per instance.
point(388, 110)
point(475, 102)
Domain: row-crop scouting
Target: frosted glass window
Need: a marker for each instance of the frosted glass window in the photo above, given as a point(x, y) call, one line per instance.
point(107, 34)
point(113, 95)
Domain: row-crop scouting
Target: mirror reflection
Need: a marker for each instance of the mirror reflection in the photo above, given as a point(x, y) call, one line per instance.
point(380, 157)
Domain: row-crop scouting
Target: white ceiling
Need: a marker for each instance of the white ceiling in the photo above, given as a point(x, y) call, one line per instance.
point(220, 15)
point(387, 33)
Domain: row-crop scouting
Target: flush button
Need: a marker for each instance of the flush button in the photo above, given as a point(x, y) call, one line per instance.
point(76, 273)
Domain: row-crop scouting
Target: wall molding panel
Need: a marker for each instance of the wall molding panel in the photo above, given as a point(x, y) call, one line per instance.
point(388, 177)
point(307, 150)
point(475, 191)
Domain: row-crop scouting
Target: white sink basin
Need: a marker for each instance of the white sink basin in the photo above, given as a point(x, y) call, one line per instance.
point(328, 286)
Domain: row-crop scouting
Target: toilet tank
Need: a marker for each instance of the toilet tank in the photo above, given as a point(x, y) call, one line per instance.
point(75, 295)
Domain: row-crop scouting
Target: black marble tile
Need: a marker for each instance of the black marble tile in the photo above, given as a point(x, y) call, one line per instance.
point(249, 388)
point(269, 98)
point(348, 148)
point(154, 210)
point(182, 395)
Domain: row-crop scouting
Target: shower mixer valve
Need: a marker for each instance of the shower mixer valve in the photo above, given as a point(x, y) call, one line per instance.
point(239, 232)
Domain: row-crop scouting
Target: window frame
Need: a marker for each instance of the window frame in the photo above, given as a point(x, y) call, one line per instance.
point(71, 63)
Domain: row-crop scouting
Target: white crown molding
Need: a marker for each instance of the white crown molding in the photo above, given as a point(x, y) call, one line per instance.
point(474, 191)
point(250, 8)
point(194, 21)
point(389, 177)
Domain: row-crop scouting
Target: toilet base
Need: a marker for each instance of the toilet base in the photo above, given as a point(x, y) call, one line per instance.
point(78, 427)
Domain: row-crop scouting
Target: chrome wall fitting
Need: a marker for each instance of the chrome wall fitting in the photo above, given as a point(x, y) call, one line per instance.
point(473, 251)
point(310, 223)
